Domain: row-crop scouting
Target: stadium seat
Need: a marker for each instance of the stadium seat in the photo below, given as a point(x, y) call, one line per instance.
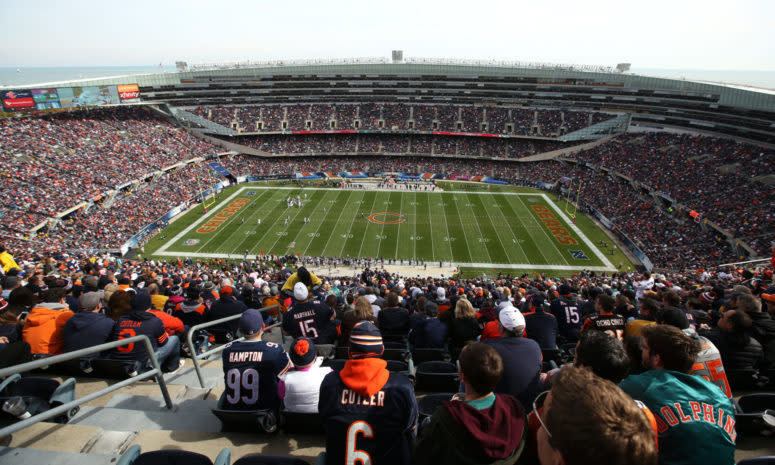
point(133, 456)
point(310, 423)
point(430, 355)
point(397, 354)
point(336, 364)
point(325, 350)
point(264, 420)
point(428, 404)
point(402, 338)
point(437, 376)
point(766, 460)
point(342, 352)
point(113, 369)
point(398, 366)
point(557, 356)
point(260, 459)
point(36, 394)
point(750, 413)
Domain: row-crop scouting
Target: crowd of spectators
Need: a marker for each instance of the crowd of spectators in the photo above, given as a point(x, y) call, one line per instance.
point(710, 175)
point(53, 163)
point(471, 146)
point(392, 116)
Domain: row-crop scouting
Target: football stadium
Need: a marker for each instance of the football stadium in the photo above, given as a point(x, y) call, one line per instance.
point(387, 261)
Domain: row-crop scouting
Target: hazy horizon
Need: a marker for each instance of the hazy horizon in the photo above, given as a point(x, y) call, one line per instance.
point(665, 34)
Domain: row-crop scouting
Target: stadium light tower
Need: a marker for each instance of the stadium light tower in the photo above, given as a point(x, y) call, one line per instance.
point(623, 67)
point(398, 56)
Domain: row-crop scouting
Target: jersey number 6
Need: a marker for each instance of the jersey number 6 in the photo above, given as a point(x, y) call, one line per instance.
point(354, 455)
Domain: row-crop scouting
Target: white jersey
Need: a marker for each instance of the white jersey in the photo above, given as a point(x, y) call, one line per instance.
point(302, 388)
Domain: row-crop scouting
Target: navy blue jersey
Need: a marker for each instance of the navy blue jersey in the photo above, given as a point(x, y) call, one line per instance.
point(311, 319)
point(542, 328)
point(250, 369)
point(611, 324)
point(376, 430)
point(136, 324)
point(567, 311)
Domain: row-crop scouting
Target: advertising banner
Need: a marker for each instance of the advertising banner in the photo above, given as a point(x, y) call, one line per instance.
point(46, 99)
point(129, 93)
point(17, 99)
point(70, 97)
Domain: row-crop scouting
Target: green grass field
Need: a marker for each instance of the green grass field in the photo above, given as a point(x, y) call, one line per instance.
point(472, 229)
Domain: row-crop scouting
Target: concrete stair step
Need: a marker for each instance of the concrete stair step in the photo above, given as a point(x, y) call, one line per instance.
point(12, 455)
point(187, 377)
point(156, 403)
point(190, 415)
point(55, 437)
point(305, 447)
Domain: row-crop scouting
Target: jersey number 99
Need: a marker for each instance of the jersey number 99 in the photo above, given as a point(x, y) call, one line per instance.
point(239, 382)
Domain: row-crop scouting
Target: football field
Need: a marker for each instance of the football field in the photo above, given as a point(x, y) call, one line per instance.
point(469, 229)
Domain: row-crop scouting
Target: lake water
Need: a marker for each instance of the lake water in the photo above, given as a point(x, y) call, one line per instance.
point(27, 76)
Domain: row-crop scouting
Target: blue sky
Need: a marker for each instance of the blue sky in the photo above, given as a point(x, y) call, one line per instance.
point(685, 34)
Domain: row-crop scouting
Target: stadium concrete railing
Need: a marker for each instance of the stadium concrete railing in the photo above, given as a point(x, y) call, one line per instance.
point(196, 357)
point(155, 372)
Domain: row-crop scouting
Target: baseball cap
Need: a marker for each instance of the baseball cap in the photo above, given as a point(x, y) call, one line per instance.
point(511, 318)
point(564, 289)
point(300, 291)
point(365, 341)
point(10, 281)
point(140, 302)
point(674, 317)
point(251, 322)
point(536, 300)
point(440, 293)
point(89, 300)
point(302, 352)
point(227, 290)
point(89, 281)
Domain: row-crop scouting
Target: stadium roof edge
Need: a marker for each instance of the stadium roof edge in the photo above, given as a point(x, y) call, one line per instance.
point(730, 95)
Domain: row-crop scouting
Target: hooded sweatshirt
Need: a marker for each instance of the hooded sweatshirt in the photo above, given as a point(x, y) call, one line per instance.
point(367, 397)
point(44, 326)
point(191, 313)
point(460, 433)
point(86, 329)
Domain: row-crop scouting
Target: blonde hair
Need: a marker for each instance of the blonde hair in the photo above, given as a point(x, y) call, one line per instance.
point(464, 309)
point(362, 308)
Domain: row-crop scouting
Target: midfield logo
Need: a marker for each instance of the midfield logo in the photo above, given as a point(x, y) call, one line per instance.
point(578, 254)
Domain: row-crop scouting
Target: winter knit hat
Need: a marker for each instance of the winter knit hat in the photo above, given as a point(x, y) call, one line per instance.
point(365, 341)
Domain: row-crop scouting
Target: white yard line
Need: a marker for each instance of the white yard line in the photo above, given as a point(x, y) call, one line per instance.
point(581, 235)
point(323, 220)
point(373, 202)
point(162, 251)
point(494, 228)
point(514, 237)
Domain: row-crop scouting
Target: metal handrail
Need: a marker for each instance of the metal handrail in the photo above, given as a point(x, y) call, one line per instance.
point(51, 413)
point(196, 357)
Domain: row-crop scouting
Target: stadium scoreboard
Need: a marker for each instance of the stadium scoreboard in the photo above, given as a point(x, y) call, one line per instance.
point(68, 97)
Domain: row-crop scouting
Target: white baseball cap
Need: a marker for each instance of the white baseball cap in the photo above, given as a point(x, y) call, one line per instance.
point(511, 318)
point(300, 291)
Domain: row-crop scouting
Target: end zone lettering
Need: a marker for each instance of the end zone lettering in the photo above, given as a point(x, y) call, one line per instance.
point(224, 215)
point(560, 234)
